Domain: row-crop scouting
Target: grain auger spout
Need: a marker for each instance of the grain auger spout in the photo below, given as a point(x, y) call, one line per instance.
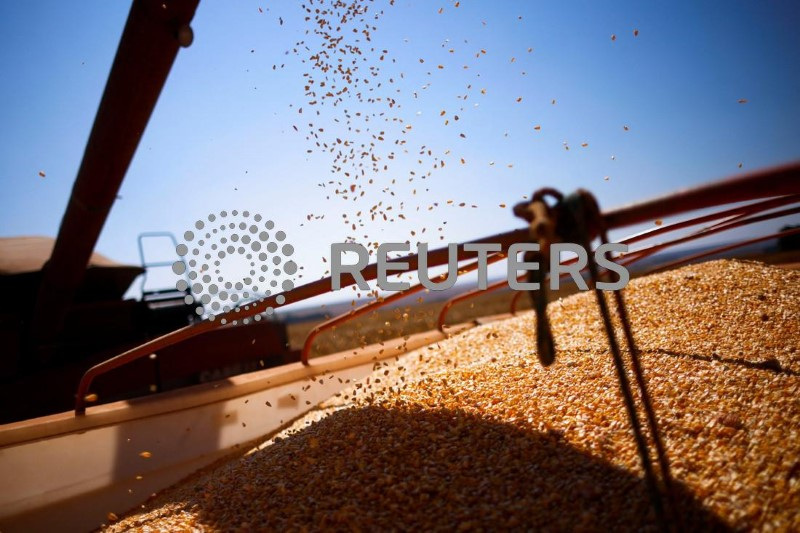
point(154, 33)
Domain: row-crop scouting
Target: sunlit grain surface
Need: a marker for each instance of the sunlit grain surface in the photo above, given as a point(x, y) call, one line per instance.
point(473, 434)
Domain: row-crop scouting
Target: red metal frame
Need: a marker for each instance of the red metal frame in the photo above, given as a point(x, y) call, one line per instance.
point(726, 248)
point(778, 181)
point(775, 181)
point(717, 228)
point(734, 217)
point(436, 257)
point(381, 302)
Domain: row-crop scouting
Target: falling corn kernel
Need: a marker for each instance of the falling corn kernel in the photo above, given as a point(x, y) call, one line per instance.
point(145, 455)
point(91, 397)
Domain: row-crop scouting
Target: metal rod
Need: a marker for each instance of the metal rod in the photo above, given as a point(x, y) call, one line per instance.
point(650, 414)
point(627, 394)
point(775, 181)
point(748, 209)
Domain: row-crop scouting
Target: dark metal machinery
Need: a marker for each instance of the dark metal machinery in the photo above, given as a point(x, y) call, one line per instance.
point(154, 32)
point(60, 328)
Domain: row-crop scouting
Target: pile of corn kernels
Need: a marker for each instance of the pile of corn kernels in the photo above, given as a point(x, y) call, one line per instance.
point(473, 434)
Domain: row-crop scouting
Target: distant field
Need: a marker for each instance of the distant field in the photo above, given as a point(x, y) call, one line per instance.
point(414, 316)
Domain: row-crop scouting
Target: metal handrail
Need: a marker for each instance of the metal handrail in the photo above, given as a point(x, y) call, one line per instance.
point(145, 265)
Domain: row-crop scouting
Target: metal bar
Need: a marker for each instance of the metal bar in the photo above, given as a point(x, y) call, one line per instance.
point(366, 308)
point(158, 264)
point(775, 181)
point(748, 209)
point(627, 394)
point(153, 33)
point(652, 249)
point(650, 414)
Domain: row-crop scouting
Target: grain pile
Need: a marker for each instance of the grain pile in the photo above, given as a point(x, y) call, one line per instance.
point(473, 434)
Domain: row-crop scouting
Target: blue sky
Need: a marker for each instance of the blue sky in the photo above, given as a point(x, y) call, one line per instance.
point(222, 135)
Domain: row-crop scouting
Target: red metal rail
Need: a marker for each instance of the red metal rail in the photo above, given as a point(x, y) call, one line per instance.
point(734, 217)
point(381, 302)
point(778, 181)
point(726, 248)
point(775, 181)
point(717, 228)
point(436, 257)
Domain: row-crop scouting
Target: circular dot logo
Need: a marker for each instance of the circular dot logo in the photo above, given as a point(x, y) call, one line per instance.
point(230, 260)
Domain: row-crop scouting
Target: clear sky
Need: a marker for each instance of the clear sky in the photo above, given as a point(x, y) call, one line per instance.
point(223, 136)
